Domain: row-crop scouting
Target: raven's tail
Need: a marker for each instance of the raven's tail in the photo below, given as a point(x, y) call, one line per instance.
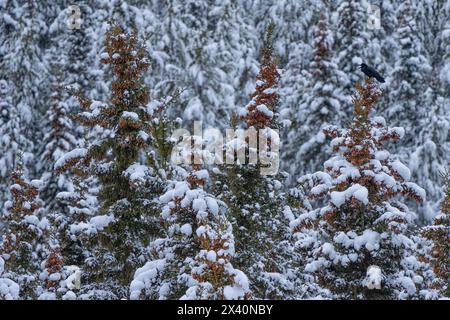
point(380, 79)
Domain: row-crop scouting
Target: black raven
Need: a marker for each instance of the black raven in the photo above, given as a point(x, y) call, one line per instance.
point(371, 72)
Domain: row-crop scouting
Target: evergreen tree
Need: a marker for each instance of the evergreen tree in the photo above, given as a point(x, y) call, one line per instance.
point(409, 76)
point(221, 57)
point(74, 50)
point(354, 42)
point(125, 221)
point(174, 29)
point(439, 234)
point(321, 102)
point(60, 139)
point(429, 156)
point(415, 101)
point(59, 280)
point(12, 138)
point(24, 243)
point(254, 199)
point(51, 275)
point(82, 205)
point(431, 143)
point(23, 65)
point(358, 245)
point(193, 261)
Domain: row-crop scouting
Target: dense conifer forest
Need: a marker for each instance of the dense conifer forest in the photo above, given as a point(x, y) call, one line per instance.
point(232, 149)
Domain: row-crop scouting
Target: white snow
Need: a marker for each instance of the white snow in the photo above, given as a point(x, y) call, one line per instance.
point(200, 231)
point(373, 278)
point(9, 290)
point(213, 206)
point(369, 239)
point(144, 276)
point(137, 173)
point(382, 155)
point(401, 169)
point(95, 224)
point(265, 110)
point(70, 156)
point(357, 191)
point(130, 116)
point(211, 256)
point(399, 131)
point(102, 221)
point(73, 281)
point(238, 290)
point(202, 174)
point(199, 205)
point(186, 229)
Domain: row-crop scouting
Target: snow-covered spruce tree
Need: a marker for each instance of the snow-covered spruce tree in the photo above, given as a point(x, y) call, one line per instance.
point(59, 139)
point(354, 43)
point(409, 78)
point(254, 199)
point(287, 15)
point(12, 138)
point(416, 104)
point(238, 46)
point(74, 49)
point(207, 48)
point(358, 245)
point(174, 31)
point(221, 57)
point(322, 102)
point(388, 46)
point(439, 234)
point(82, 205)
point(121, 229)
point(23, 246)
point(429, 152)
point(24, 66)
point(193, 261)
point(431, 144)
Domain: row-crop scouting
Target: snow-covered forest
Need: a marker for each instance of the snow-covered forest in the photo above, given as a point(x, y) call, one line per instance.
point(356, 204)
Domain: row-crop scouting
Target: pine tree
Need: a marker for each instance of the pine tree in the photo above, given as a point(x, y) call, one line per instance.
point(174, 31)
point(430, 153)
point(60, 139)
point(414, 104)
point(321, 102)
point(358, 244)
point(12, 138)
point(354, 42)
point(60, 281)
point(24, 243)
point(24, 66)
point(126, 219)
point(194, 260)
point(439, 234)
point(221, 57)
point(82, 205)
point(409, 77)
point(74, 50)
point(254, 199)
point(431, 144)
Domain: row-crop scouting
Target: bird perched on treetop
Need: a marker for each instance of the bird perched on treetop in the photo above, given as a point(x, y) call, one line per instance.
point(371, 72)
